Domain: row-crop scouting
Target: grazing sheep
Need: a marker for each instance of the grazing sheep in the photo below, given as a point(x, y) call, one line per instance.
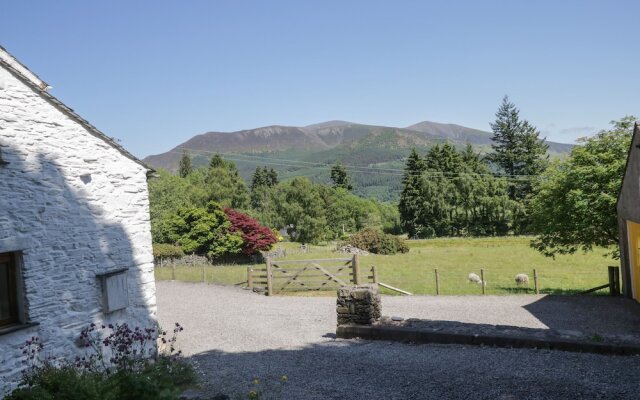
point(474, 278)
point(522, 279)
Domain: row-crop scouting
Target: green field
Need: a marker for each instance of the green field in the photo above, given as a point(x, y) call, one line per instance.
point(455, 258)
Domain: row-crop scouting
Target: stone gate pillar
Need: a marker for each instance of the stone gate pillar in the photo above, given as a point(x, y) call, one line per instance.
point(358, 305)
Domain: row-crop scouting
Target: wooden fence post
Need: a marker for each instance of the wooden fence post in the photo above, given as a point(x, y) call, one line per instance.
point(250, 277)
point(437, 282)
point(614, 281)
point(204, 274)
point(374, 273)
point(173, 272)
point(356, 269)
point(535, 281)
point(269, 278)
point(482, 282)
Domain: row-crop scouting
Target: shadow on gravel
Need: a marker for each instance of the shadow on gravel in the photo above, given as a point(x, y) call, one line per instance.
point(355, 369)
point(589, 314)
point(583, 318)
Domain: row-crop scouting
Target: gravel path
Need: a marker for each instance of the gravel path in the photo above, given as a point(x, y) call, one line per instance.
point(235, 336)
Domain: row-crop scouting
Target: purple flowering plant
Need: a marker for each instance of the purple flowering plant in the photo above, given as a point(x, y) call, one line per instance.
point(111, 348)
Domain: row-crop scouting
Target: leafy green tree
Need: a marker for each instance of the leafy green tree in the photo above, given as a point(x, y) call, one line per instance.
point(434, 206)
point(389, 218)
point(517, 148)
point(339, 177)
point(264, 203)
point(205, 231)
point(262, 183)
point(409, 206)
point(347, 213)
point(185, 167)
point(574, 207)
point(167, 194)
point(302, 211)
point(472, 160)
point(224, 184)
point(493, 213)
point(456, 195)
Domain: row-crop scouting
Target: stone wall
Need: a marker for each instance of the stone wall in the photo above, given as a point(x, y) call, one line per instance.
point(359, 305)
point(71, 206)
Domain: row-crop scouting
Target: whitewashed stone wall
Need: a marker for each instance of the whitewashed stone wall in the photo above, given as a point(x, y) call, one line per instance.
point(75, 207)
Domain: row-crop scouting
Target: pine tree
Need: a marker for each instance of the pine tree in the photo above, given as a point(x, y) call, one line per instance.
point(517, 147)
point(506, 152)
point(409, 206)
point(185, 167)
point(259, 178)
point(264, 176)
point(263, 183)
point(472, 160)
point(223, 184)
point(272, 177)
point(217, 161)
point(339, 177)
point(444, 159)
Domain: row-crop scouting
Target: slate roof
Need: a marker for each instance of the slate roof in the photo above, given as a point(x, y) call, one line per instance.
point(10, 63)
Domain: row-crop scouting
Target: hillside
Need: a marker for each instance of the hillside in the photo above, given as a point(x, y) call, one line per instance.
point(306, 151)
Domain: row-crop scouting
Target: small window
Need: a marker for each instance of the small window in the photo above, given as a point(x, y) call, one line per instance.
point(115, 290)
point(8, 290)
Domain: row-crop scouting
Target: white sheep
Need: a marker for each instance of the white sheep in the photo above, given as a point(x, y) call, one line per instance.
point(522, 279)
point(474, 278)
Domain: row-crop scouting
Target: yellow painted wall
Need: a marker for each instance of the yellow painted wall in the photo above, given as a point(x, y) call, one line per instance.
point(633, 230)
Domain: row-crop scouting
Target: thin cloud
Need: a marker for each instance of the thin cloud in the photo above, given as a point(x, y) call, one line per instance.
point(586, 130)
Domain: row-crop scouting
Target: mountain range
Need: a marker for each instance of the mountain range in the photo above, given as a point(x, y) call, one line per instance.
point(310, 150)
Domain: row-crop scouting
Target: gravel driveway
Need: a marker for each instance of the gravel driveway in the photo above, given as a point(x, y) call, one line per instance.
point(235, 336)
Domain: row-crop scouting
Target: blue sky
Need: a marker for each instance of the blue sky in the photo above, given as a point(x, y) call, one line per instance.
point(155, 73)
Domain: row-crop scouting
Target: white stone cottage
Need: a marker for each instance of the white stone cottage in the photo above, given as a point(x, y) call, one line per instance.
point(75, 240)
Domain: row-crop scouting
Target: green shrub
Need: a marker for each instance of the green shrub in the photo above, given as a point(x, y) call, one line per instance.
point(119, 363)
point(64, 382)
point(163, 250)
point(377, 242)
point(163, 379)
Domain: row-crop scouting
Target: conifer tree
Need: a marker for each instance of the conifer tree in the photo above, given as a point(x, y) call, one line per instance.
point(259, 178)
point(472, 160)
point(264, 176)
point(185, 167)
point(517, 148)
point(272, 177)
point(224, 185)
point(217, 161)
point(409, 206)
point(339, 177)
point(444, 159)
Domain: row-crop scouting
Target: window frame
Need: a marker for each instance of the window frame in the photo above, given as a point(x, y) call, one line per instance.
point(12, 277)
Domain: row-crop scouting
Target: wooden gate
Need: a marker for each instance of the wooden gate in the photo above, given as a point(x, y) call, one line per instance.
point(304, 275)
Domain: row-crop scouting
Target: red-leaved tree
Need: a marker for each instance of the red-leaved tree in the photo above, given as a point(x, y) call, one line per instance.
point(256, 237)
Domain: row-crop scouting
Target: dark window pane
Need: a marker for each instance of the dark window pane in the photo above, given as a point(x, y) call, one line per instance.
point(5, 303)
